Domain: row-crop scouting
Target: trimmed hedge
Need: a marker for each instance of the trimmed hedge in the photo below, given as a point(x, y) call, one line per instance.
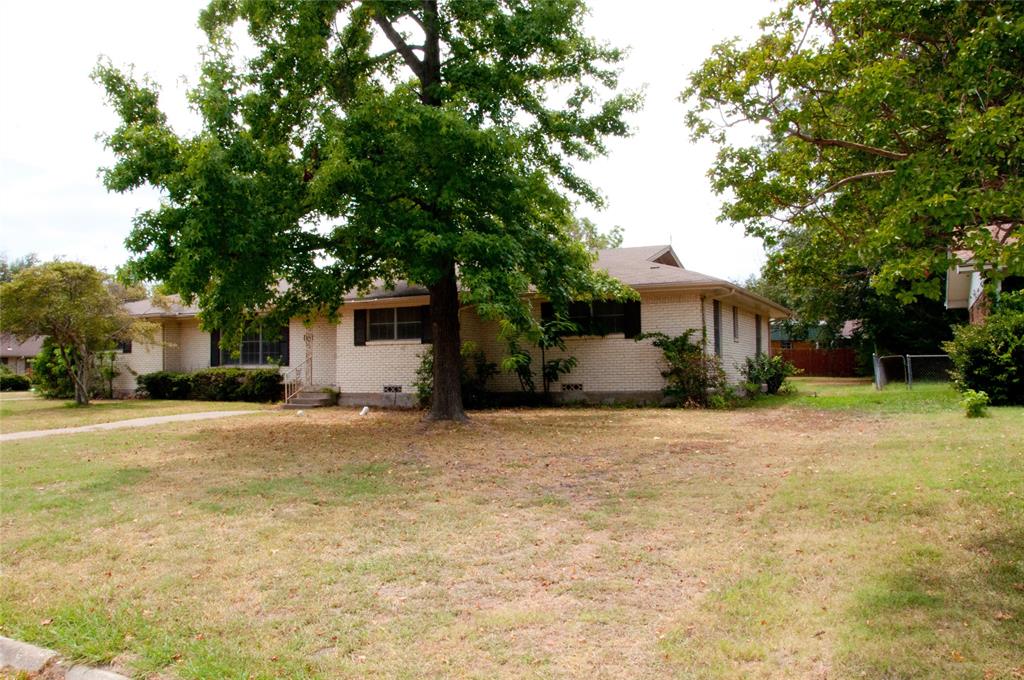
point(213, 384)
point(12, 382)
point(165, 385)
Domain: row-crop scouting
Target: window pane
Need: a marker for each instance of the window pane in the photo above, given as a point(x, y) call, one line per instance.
point(408, 314)
point(251, 348)
point(409, 323)
point(382, 324)
point(579, 314)
point(274, 346)
point(609, 317)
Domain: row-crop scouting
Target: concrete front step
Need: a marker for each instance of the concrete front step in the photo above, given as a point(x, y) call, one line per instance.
point(312, 397)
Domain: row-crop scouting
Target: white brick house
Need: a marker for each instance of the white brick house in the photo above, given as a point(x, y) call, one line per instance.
point(371, 354)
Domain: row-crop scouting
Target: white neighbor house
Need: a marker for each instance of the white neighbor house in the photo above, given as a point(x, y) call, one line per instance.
point(371, 353)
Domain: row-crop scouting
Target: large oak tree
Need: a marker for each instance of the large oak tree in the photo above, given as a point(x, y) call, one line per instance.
point(867, 142)
point(423, 140)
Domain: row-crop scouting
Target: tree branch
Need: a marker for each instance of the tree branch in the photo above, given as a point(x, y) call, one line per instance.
point(823, 141)
point(841, 183)
point(400, 45)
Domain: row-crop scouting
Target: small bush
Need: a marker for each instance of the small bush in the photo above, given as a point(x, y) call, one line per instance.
point(50, 375)
point(12, 382)
point(693, 377)
point(164, 385)
point(236, 384)
point(214, 384)
point(974, 403)
point(260, 385)
point(769, 371)
point(989, 358)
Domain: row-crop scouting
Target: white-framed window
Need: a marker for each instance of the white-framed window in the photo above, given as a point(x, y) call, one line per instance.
point(259, 348)
point(395, 323)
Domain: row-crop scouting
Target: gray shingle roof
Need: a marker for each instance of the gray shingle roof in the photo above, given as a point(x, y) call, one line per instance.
point(10, 347)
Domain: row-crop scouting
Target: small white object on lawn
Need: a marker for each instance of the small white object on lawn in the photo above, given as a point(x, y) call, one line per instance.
point(366, 409)
point(300, 412)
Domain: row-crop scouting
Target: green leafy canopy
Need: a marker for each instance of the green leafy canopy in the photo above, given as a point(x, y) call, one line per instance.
point(885, 137)
point(329, 162)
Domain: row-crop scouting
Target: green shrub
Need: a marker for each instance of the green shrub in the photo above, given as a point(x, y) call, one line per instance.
point(165, 385)
point(693, 377)
point(237, 384)
point(974, 403)
point(213, 384)
point(990, 357)
point(771, 371)
point(12, 382)
point(50, 374)
point(260, 385)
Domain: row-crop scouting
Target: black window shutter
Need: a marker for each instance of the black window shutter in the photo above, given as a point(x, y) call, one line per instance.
point(547, 311)
point(631, 319)
point(360, 328)
point(757, 322)
point(214, 348)
point(285, 348)
point(426, 329)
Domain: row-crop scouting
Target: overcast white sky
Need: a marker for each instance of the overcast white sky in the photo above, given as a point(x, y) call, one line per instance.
point(52, 202)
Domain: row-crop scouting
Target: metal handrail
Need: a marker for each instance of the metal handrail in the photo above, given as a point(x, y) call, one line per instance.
point(297, 378)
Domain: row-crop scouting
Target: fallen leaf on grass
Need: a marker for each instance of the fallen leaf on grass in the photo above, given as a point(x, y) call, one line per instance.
point(46, 622)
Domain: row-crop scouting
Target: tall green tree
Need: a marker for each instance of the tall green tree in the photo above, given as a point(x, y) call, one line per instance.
point(9, 268)
point(587, 232)
point(76, 308)
point(872, 138)
point(445, 158)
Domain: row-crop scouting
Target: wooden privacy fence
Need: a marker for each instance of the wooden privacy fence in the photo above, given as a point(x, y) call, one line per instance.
point(834, 363)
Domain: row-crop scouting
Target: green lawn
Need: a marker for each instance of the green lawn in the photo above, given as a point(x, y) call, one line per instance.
point(849, 534)
point(18, 414)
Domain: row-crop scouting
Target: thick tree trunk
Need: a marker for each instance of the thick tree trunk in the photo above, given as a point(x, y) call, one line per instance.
point(446, 403)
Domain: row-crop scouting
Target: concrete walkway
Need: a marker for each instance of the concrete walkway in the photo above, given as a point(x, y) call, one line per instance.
point(119, 424)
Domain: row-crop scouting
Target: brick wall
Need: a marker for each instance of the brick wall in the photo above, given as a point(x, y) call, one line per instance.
point(366, 369)
point(194, 347)
point(605, 364)
point(144, 358)
point(323, 343)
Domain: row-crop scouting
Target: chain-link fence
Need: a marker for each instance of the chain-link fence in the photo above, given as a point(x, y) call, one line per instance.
point(888, 369)
point(911, 368)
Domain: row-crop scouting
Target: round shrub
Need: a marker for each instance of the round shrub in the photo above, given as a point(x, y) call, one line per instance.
point(12, 382)
point(989, 358)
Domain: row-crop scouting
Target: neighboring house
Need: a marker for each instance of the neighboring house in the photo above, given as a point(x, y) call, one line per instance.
point(965, 281)
point(371, 353)
point(18, 356)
